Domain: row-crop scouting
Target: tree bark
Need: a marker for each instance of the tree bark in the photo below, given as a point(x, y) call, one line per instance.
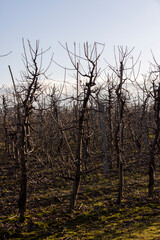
point(23, 188)
point(103, 137)
point(153, 146)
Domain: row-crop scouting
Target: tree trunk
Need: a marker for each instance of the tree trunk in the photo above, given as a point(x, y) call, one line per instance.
point(153, 146)
point(23, 191)
point(110, 137)
point(77, 178)
point(103, 137)
point(151, 174)
point(76, 185)
point(120, 188)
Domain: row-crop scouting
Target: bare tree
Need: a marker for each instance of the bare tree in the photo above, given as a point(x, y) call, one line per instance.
point(154, 144)
point(90, 75)
point(124, 74)
point(26, 94)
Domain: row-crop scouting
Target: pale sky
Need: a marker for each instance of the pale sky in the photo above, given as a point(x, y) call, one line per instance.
point(132, 23)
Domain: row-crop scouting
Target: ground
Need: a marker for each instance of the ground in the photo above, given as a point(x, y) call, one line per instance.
point(97, 216)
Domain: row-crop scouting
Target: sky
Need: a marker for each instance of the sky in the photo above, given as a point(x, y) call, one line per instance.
point(112, 22)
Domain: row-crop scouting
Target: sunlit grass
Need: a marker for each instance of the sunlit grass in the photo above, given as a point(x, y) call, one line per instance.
point(96, 216)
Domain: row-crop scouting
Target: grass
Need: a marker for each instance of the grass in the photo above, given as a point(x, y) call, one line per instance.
point(96, 217)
